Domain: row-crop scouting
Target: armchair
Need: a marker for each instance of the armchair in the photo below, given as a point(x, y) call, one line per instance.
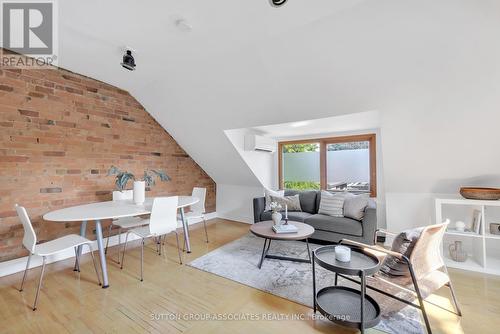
point(427, 270)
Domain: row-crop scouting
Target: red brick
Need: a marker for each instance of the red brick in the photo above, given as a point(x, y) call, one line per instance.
point(14, 158)
point(6, 88)
point(54, 153)
point(29, 113)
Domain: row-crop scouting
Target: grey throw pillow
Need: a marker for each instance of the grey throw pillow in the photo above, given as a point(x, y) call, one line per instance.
point(355, 205)
point(268, 193)
point(332, 204)
point(292, 202)
point(403, 244)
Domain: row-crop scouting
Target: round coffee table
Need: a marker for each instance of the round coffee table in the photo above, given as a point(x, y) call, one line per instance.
point(264, 230)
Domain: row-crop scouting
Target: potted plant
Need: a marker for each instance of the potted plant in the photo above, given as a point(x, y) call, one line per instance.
point(149, 176)
point(276, 216)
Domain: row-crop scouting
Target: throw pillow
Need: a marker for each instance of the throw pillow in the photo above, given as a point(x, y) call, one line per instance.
point(268, 193)
point(403, 244)
point(292, 202)
point(355, 205)
point(332, 204)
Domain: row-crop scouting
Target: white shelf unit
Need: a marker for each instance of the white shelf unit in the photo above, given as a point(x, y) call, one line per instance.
point(483, 248)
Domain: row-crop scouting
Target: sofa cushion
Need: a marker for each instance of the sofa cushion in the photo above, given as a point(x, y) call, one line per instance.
point(332, 204)
point(291, 203)
point(267, 195)
point(296, 216)
point(342, 225)
point(307, 199)
point(402, 244)
point(355, 205)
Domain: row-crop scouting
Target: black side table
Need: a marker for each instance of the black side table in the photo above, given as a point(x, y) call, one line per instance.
point(340, 304)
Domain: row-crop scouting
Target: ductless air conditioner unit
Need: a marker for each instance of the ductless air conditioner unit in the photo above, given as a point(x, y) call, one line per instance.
point(259, 143)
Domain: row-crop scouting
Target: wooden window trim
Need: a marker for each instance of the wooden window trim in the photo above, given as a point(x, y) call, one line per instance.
point(371, 138)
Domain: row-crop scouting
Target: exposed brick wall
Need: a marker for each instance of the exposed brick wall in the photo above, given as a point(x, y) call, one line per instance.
point(59, 133)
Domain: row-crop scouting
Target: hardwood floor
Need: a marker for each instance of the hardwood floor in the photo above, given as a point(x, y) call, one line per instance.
point(71, 302)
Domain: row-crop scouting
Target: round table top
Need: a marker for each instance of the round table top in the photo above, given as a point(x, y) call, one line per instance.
point(360, 261)
point(110, 210)
point(264, 229)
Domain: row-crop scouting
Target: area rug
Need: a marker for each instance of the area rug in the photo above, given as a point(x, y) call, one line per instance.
point(293, 280)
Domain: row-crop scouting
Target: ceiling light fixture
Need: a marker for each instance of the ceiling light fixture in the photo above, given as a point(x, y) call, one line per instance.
point(277, 3)
point(128, 60)
point(299, 124)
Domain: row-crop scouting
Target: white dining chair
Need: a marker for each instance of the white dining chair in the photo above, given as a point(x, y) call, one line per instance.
point(49, 248)
point(198, 209)
point(125, 222)
point(162, 221)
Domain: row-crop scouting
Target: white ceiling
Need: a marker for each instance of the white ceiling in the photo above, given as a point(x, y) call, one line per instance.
point(322, 126)
point(246, 64)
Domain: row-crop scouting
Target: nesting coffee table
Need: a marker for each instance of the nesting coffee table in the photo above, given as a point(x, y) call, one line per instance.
point(264, 230)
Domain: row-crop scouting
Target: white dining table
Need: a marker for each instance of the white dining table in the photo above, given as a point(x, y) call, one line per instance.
point(112, 210)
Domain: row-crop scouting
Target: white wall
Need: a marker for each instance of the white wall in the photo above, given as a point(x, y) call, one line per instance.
point(261, 163)
point(234, 202)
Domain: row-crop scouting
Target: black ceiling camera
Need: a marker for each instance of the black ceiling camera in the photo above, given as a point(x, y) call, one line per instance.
point(128, 61)
point(277, 3)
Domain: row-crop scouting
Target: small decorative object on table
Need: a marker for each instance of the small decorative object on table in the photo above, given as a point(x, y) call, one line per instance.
point(288, 228)
point(480, 193)
point(495, 228)
point(456, 252)
point(342, 253)
point(460, 226)
point(286, 214)
point(122, 178)
point(276, 216)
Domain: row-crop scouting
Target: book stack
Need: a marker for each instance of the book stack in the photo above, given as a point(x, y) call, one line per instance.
point(280, 229)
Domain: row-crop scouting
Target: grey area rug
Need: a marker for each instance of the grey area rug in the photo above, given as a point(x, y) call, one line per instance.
point(238, 261)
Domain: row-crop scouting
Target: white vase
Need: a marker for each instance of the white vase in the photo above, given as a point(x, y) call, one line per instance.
point(276, 217)
point(139, 192)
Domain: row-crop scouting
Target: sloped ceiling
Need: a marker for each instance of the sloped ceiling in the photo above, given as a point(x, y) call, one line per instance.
point(247, 64)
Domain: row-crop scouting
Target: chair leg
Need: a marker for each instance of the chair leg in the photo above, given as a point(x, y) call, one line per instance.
point(178, 248)
point(124, 248)
point(158, 245)
point(95, 264)
point(25, 272)
point(420, 299)
point(142, 260)
point(77, 259)
point(107, 240)
point(119, 242)
point(205, 225)
point(453, 296)
point(39, 284)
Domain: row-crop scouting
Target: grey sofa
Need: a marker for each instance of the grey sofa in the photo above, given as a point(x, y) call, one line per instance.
point(327, 228)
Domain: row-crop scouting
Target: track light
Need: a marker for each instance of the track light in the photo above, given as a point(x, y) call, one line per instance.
point(128, 61)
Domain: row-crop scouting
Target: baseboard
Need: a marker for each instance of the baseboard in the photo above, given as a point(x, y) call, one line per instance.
point(238, 219)
point(19, 264)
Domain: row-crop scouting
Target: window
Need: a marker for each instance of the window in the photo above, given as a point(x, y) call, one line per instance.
point(335, 164)
point(301, 166)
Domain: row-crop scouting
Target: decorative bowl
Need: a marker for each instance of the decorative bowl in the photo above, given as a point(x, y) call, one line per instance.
point(480, 193)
